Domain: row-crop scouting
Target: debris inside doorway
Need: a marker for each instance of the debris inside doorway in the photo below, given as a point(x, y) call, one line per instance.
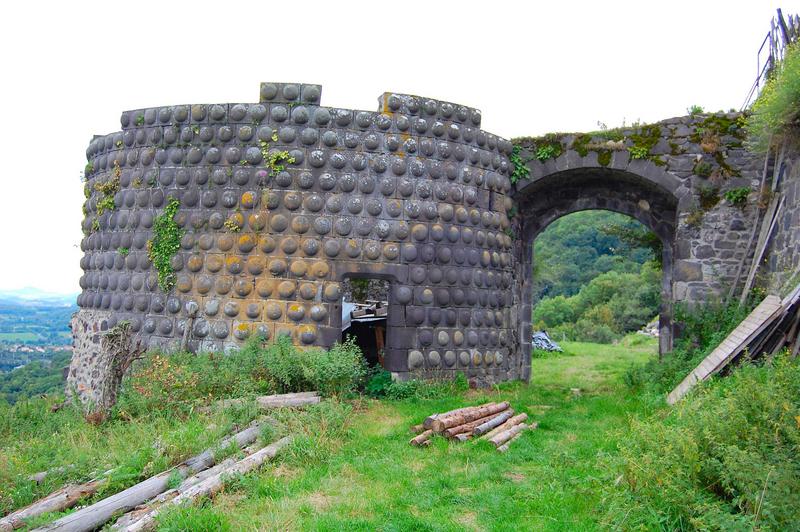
point(494, 422)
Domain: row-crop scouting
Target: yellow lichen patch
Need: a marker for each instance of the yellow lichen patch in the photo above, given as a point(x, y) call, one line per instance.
point(320, 269)
point(257, 221)
point(298, 268)
point(247, 242)
point(247, 200)
point(233, 263)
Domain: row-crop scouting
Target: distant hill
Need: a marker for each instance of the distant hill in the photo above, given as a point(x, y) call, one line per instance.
point(35, 296)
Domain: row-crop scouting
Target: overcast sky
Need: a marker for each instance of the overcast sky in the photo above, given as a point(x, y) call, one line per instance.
point(70, 68)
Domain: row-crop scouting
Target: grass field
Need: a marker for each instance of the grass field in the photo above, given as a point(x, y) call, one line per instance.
point(373, 480)
point(351, 467)
point(18, 337)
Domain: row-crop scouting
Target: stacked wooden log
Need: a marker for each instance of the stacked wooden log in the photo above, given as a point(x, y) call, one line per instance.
point(494, 422)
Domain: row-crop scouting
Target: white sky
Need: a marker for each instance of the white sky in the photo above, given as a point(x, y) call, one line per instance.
point(70, 68)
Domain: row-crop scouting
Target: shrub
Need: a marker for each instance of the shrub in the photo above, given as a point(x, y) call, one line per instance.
point(177, 380)
point(704, 327)
point(724, 459)
point(337, 371)
point(382, 385)
point(775, 112)
point(378, 383)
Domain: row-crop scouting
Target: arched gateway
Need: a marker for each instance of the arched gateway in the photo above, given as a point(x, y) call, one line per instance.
point(279, 201)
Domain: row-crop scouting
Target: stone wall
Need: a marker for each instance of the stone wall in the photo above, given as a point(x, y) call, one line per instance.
point(282, 200)
point(87, 375)
point(783, 257)
point(681, 168)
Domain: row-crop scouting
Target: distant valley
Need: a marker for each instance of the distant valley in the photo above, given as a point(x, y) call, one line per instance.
point(34, 325)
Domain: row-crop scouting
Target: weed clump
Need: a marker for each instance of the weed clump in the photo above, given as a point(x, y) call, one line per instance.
point(775, 112)
point(380, 384)
point(724, 459)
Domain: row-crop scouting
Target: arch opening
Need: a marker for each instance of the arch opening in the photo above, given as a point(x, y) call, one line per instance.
point(597, 277)
point(559, 194)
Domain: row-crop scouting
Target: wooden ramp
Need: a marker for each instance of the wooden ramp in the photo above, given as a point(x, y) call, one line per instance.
point(755, 323)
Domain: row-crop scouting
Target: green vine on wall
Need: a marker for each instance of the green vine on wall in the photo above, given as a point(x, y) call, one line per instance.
point(521, 170)
point(165, 243)
point(107, 190)
point(275, 160)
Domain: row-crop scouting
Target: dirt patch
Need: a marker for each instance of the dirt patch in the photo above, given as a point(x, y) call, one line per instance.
point(284, 471)
point(382, 421)
point(319, 501)
point(468, 520)
point(513, 476)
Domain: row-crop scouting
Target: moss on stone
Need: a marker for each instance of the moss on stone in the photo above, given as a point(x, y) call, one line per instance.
point(727, 170)
point(709, 197)
point(580, 144)
point(604, 157)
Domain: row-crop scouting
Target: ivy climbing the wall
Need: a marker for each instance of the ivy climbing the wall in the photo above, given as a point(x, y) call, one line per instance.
point(521, 170)
point(165, 243)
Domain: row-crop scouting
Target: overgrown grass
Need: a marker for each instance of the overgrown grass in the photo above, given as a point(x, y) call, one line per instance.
point(604, 456)
point(726, 458)
point(159, 420)
point(775, 113)
point(181, 381)
point(33, 439)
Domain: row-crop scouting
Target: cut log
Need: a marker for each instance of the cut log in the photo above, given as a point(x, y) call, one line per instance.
point(503, 448)
point(267, 402)
point(464, 436)
point(137, 513)
point(468, 427)
point(496, 421)
point(60, 500)
point(210, 486)
point(282, 401)
point(425, 436)
point(428, 422)
point(500, 439)
point(417, 429)
point(440, 424)
point(516, 420)
point(92, 517)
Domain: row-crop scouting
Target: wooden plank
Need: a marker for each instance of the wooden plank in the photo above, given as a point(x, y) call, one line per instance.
point(769, 223)
point(754, 229)
point(768, 310)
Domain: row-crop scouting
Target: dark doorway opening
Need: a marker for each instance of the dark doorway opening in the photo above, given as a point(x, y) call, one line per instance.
point(365, 304)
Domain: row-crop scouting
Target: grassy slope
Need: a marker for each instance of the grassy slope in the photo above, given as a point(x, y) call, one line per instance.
point(375, 480)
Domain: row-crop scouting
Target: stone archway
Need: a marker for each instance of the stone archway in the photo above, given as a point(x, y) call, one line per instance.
point(651, 197)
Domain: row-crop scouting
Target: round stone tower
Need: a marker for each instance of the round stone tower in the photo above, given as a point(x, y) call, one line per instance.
point(206, 224)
